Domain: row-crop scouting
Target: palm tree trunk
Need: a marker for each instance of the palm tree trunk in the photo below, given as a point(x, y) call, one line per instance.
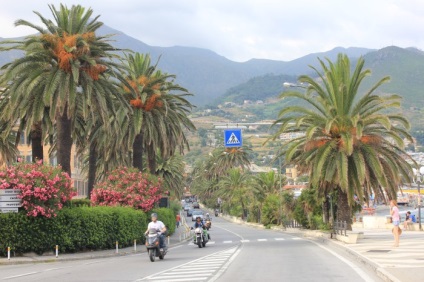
point(36, 142)
point(325, 210)
point(92, 168)
point(64, 141)
point(344, 211)
point(151, 157)
point(138, 152)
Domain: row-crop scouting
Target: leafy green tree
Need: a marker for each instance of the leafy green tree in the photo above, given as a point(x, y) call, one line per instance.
point(352, 143)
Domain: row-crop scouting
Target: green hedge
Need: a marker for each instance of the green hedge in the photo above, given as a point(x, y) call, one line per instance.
point(74, 229)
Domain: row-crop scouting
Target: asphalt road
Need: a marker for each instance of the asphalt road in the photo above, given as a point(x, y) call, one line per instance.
point(235, 253)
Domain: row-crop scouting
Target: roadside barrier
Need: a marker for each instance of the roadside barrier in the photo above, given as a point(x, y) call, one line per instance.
point(339, 227)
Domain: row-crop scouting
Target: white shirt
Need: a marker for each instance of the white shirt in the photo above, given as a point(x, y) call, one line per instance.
point(156, 225)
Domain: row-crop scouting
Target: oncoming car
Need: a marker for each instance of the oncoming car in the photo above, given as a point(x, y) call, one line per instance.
point(196, 214)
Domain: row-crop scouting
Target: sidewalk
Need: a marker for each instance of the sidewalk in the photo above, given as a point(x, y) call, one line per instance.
point(180, 235)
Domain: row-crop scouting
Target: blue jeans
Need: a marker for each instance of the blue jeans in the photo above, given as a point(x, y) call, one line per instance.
point(161, 241)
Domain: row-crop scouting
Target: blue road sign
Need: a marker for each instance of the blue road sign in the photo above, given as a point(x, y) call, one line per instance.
point(233, 138)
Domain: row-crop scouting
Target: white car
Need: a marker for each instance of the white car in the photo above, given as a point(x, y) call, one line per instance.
point(196, 214)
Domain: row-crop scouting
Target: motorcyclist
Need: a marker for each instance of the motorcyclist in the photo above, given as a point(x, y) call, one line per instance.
point(199, 223)
point(207, 217)
point(158, 225)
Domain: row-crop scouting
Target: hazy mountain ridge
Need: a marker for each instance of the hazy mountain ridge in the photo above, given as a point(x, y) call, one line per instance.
point(208, 75)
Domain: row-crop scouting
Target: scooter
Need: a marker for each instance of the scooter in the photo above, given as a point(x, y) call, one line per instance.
point(152, 245)
point(216, 213)
point(200, 237)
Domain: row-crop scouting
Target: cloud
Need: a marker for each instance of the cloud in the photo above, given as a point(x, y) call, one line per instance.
point(245, 29)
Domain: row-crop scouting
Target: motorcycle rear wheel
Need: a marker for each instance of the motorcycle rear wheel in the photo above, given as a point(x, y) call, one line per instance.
point(152, 254)
point(199, 243)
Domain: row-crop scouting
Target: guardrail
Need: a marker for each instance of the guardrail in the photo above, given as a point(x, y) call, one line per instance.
point(292, 224)
point(339, 227)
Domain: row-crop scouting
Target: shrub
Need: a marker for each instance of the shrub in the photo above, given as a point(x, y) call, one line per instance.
point(73, 229)
point(270, 210)
point(127, 187)
point(44, 188)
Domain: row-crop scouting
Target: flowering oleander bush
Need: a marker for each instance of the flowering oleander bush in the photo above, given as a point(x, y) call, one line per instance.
point(44, 188)
point(127, 187)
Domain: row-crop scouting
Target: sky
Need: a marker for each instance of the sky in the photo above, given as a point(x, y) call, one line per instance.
point(241, 30)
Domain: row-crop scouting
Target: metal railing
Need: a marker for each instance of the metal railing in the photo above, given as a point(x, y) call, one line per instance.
point(292, 224)
point(340, 227)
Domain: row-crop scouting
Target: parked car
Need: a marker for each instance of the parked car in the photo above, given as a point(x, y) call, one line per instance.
point(196, 213)
point(196, 205)
point(190, 212)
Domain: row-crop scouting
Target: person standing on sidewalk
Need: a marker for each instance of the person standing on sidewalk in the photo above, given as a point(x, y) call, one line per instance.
point(394, 212)
point(178, 219)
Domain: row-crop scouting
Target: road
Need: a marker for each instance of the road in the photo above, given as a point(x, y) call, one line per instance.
point(235, 253)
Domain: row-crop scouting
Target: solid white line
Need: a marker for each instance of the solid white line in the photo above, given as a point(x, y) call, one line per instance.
point(20, 275)
point(359, 271)
point(176, 280)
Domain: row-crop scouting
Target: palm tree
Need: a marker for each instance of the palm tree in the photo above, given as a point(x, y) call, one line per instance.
point(234, 188)
point(171, 171)
point(8, 149)
point(64, 61)
point(264, 184)
point(159, 115)
point(352, 144)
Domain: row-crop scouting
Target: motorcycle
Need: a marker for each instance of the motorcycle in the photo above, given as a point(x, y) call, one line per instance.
point(208, 224)
point(216, 213)
point(200, 237)
point(152, 245)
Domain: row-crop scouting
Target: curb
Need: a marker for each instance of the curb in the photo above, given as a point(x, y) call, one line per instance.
point(50, 259)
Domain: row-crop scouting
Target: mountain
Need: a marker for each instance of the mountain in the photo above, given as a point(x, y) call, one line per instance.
point(404, 66)
point(204, 73)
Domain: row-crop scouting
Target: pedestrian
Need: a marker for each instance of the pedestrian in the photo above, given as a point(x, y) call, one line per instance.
point(178, 219)
point(394, 212)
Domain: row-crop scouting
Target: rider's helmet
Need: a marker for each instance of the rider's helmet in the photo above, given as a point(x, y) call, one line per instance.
point(154, 215)
point(207, 214)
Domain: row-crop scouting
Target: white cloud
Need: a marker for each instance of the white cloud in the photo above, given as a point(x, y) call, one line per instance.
point(245, 29)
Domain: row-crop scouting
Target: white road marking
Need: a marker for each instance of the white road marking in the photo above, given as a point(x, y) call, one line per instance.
point(227, 242)
point(20, 275)
point(262, 240)
point(297, 238)
point(244, 241)
point(198, 270)
point(359, 271)
point(280, 239)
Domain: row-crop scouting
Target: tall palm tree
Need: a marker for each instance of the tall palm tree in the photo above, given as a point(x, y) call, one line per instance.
point(234, 187)
point(352, 143)
point(160, 115)
point(65, 60)
point(264, 184)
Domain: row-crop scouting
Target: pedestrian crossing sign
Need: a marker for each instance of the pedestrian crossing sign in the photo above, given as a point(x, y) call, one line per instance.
point(233, 138)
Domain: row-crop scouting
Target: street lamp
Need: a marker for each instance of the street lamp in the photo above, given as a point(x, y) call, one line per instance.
point(419, 173)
